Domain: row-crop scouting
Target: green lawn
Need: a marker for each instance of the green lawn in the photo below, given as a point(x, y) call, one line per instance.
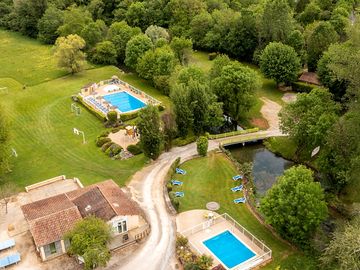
point(209, 179)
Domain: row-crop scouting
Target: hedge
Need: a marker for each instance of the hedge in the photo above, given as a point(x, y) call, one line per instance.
point(302, 87)
point(128, 116)
point(232, 133)
point(184, 141)
point(91, 109)
point(134, 149)
point(100, 141)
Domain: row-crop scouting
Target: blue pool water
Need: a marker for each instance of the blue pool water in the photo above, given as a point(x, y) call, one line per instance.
point(228, 249)
point(124, 101)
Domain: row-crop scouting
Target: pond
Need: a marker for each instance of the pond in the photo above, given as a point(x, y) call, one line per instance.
point(266, 165)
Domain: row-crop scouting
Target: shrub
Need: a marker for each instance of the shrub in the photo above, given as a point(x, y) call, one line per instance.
point(117, 129)
point(169, 187)
point(202, 145)
point(100, 141)
point(175, 202)
point(112, 117)
point(113, 150)
point(105, 146)
point(128, 116)
point(302, 87)
point(181, 241)
point(161, 108)
point(184, 141)
point(105, 133)
point(134, 149)
point(212, 56)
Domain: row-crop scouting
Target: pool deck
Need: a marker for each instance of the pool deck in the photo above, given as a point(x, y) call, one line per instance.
point(184, 223)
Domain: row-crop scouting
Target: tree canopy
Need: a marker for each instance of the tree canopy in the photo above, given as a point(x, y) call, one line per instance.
point(295, 205)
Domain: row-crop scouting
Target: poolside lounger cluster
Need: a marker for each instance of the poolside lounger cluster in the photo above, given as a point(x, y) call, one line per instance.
point(7, 244)
point(179, 194)
point(9, 260)
point(237, 177)
point(240, 200)
point(176, 182)
point(237, 188)
point(97, 105)
point(180, 171)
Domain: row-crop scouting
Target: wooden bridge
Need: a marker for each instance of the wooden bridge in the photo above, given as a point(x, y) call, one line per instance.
point(250, 137)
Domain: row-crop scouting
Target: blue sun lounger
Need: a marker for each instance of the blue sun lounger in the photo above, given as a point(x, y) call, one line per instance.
point(240, 200)
point(180, 171)
point(179, 194)
point(7, 244)
point(237, 188)
point(9, 260)
point(237, 177)
point(176, 182)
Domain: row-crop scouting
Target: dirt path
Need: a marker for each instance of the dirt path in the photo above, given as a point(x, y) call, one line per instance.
point(270, 111)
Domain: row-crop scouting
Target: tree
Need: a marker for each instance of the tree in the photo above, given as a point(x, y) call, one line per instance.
point(311, 13)
point(6, 191)
point(93, 33)
point(149, 128)
point(88, 239)
point(105, 53)
point(218, 64)
point(186, 74)
point(119, 34)
point(297, 41)
point(182, 48)
point(49, 23)
point(202, 145)
point(169, 129)
point(277, 21)
point(136, 15)
point(235, 87)
point(319, 39)
point(28, 13)
point(295, 205)
point(343, 251)
point(280, 62)
point(4, 143)
point(308, 119)
point(182, 111)
point(199, 26)
point(75, 20)
point(156, 32)
point(69, 54)
point(135, 48)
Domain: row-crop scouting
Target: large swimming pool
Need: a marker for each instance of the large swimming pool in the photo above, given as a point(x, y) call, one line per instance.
point(229, 249)
point(124, 101)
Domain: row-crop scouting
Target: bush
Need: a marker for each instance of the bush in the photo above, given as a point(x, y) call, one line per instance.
point(169, 187)
point(105, 146)
point(134, 149)
point(184, 141)
point(202, 145)
point(112, 117)
point(174, 201)
point(161, 108)
point(212, 56)
point(117, 129)
point(113, 150)
point(302, 87)
point(105, 133)
point(181, 241)
point(128, 116)
point(100, 141)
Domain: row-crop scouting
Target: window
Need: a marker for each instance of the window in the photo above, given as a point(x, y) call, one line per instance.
point(122, 226)
point(52, 247)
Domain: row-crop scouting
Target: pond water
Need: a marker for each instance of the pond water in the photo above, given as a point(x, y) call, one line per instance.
point(266, 165)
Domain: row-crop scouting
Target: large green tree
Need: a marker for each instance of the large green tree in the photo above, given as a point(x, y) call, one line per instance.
point(295, 205)
point(49, 23)
point(136, 15)
point(75, 20)
point(68, 51)
point(235, 89)
point(308, 120)
point(319, 37)
point(280, 62)
point(182, 48)
point(343, 251)
point(119, 34)
point(150, 134)
point(89, 239)
point(135, 48)
point(105, 53)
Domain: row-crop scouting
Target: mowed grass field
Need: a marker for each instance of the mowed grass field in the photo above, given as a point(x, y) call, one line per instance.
point(41, 121)
point(210, 179)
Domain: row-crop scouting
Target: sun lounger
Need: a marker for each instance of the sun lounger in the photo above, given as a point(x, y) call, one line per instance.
point(179, 194)
point(7, 244)
point(176, 182)
point(9, 260)
point(240, 200)
point(237, 177)
point(237, 188)
point(180, 171)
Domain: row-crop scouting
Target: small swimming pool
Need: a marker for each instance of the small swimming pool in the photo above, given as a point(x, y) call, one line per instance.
point(124, 101)
point(229, 249)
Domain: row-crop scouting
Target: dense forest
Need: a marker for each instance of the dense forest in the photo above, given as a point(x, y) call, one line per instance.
point(155, 38)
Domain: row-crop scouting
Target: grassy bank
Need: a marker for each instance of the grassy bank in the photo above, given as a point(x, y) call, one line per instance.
point(209, 179)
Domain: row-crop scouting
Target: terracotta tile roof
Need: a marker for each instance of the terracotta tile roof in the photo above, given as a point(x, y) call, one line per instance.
point(93, 202)
point(51, 228)
point(310, 77)
point(46, 206)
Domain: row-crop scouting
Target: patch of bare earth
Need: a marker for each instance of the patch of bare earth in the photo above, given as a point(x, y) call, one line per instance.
point(261, 123)
point(270, 111)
